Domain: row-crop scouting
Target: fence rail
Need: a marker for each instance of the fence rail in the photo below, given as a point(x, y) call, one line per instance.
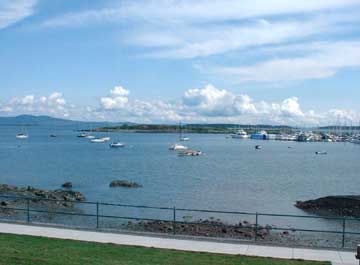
point(173, 213)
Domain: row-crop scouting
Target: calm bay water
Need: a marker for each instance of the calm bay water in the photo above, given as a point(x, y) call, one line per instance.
point(231, 175)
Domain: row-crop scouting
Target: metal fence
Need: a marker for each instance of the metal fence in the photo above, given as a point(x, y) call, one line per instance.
point(29, 208)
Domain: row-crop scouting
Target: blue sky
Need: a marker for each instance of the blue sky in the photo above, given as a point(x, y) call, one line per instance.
point(283, 62)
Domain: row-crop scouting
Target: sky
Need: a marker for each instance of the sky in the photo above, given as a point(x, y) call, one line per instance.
point(196, 61)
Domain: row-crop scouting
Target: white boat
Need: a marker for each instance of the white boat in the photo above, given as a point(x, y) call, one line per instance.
point(178, 147)
point(90, 137)
point(240, 134)
point(22, 136)
point(82, 135)
point(97, 140)
point(258, 147)
point(106, 139)
point(184, 139)
point(117, 145)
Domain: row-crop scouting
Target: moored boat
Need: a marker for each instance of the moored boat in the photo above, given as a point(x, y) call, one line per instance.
point(240, 134)
point(190, 152)
point(178, 147)
point(117, 145)
point(321, 153)
point(22, 136)
point(97, 140)
point(83, 135)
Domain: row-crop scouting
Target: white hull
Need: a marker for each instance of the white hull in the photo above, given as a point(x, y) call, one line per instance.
point(235, 136)
point(117, 145)
point(22, 136)
point(178, 147)
point(97, 141)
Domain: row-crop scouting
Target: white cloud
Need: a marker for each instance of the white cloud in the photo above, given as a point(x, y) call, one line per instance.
point(190, 11)
point(26, 101)
point(117, 99)
point(324, 60)
point(5, 109)
point(211, 104)
point(190, 29)
point(206, 105)
point(54, 104)
point(12, 11)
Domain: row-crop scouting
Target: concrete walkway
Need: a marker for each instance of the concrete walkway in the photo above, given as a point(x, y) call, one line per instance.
point(336, 257)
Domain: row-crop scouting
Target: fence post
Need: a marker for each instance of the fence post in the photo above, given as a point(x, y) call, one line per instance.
point(97, 215)
point(343, 232)
point(28, 209)
point(174, 220)
point(256, 225)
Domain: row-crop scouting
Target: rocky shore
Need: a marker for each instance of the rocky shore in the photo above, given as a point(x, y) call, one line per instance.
point(51, 198)
point(332, 205)
point(206, 228)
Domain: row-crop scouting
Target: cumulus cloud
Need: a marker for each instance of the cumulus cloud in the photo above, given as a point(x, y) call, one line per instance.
point(208, 104)
point(12, 11)
point(212, 104)
point(117, 99)
point(54, 104)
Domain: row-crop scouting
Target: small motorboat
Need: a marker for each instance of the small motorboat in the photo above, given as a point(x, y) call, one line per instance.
point(117, 145)
point(83, 135)
point(97, 140)
point(178, 147)
point(321, 153)
point(22, 136)
point(106, 139)
point(258, 147)
point(190, 153)
point(53, 136)
point(184, 139)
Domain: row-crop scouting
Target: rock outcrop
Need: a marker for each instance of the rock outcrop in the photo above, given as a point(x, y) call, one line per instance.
point(333, 205)
point(124, 183)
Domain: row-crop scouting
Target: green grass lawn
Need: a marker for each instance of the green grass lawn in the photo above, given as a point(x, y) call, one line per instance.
point(30, 250)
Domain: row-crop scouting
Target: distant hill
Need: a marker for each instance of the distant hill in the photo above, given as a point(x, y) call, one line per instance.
point(192, 128)
point(31, 120)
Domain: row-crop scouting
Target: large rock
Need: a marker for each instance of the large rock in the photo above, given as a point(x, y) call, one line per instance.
point(124, 183)
point(333, 205)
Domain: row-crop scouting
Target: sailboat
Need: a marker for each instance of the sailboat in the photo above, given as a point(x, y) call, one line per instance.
point(177, 146)
point(22, 135)
point(181, 137)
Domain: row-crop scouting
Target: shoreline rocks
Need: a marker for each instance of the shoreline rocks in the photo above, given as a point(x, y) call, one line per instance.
point(207, 228)
point(346, 205)
point(59, 197)
point(124, 183)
